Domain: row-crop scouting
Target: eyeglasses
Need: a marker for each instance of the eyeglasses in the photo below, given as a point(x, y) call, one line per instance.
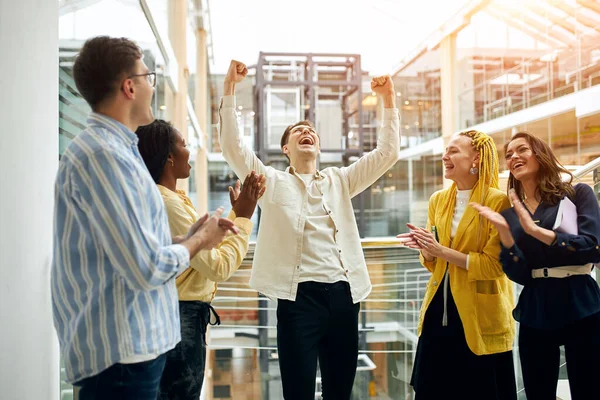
point(150, 76)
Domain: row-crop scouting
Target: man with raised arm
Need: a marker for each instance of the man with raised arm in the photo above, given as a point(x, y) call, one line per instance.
point(308, 253)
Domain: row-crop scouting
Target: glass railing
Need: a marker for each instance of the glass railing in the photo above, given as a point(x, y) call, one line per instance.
point(242, 355)
point(243, 352)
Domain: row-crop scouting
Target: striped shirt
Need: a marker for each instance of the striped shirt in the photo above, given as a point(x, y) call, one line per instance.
point(114, 265)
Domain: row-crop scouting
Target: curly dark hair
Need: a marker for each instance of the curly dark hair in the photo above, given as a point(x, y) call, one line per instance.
point(101, 65)
point(156, 141)
point(551, 186)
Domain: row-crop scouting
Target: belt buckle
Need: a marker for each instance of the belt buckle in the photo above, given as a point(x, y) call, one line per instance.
point(545, 270)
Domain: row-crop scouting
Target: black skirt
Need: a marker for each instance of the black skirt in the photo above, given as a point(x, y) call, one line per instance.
point(445, 367)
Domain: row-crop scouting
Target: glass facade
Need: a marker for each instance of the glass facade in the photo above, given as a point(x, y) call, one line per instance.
point(514, 58)
point(515, 64)
point(506, 68)
point(418, 91)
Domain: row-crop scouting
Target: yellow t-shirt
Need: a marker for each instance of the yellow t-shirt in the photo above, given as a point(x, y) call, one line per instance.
point(199, 281)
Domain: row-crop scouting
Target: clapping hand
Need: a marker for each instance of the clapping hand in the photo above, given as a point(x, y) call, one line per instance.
point(244, 201)
point(494, 217)
point(527, 223)
point(499, 222)
point(423, 240)
point(212, 230)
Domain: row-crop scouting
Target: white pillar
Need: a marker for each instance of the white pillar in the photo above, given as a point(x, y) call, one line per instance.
point(177, 34)
point(448, 90)
point(29, 359)
point(202, 114)
point(448, 86)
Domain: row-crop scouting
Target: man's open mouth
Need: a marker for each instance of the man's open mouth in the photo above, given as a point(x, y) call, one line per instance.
point(307, 140)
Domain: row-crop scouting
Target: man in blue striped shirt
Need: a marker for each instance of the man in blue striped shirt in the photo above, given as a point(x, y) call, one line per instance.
point(113, 289)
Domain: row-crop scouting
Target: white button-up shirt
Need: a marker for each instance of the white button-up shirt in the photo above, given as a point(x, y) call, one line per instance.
point(278, 253)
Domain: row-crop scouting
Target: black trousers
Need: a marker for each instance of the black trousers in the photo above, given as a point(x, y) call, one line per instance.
point(321, 324)
point(539, 351)
point(445, 367)
point(183, 375)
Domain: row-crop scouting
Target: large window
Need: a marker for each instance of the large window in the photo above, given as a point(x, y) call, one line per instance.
point(510, 58)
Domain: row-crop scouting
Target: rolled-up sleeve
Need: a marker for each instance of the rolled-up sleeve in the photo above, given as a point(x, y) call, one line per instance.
point(220, 264)
point(217, 264)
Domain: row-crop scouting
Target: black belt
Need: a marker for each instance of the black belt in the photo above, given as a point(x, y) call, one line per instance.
point(201, 310)
point(211, 309)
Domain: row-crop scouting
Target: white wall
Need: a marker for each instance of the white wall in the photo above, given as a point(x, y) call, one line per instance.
point(29, 359)
point(329, 124)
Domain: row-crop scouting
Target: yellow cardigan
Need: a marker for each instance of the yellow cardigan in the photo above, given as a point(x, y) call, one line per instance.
point(483, 294)
point(199, 281)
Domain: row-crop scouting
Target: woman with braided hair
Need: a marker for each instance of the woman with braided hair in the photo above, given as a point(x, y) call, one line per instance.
point(466, 332)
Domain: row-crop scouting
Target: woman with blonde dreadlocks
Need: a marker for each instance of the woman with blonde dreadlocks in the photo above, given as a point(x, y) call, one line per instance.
point(466, 331)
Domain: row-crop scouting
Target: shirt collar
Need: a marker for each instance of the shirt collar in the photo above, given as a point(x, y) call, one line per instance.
point(292, 170)
point(169, 192)
point(113, 126)
point(179, 194)
point(165, 191)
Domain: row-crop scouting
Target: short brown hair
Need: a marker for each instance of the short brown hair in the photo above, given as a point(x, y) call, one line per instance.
point(551, 186)
point(100, 66)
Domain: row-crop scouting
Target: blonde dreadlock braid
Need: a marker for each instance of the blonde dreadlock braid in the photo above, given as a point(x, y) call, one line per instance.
point(488, 158)
point(488, 175)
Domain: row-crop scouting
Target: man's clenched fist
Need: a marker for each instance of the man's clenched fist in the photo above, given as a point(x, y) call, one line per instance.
point(382, 85)
point(237, 72)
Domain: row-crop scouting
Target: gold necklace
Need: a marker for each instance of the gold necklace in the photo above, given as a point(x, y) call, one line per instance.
point(529, 207)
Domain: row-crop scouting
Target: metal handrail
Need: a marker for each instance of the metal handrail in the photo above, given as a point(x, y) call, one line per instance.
point(372, 248)
point(371, 242)
point(586, 169)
